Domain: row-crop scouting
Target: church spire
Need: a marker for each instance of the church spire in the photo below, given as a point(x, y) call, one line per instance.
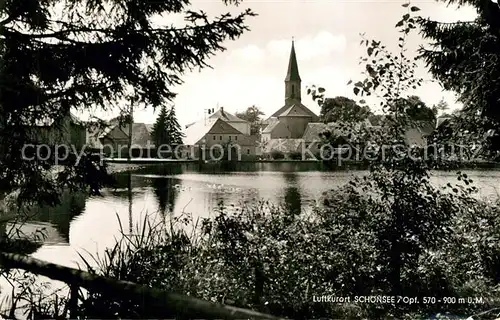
point(292, 80)
point(293, 69)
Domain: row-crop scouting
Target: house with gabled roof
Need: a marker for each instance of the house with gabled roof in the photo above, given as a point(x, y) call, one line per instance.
point(111, 136)
point(210, 132)
point(239, 124)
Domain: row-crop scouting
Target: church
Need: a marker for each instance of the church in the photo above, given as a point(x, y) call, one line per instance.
point(294, 125)
point(292, 119)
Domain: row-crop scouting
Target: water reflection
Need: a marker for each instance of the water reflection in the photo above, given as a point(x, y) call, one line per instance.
point(165, 189)
point(292, 198)
point(53, 221)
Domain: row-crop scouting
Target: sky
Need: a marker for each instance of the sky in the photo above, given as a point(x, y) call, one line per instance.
point(327, 41)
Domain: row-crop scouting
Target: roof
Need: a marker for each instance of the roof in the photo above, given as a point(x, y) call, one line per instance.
point(295, 111)
point(293, 69)
point(441, 120)
point(226, 116)
point(149, 126)
point(272, 123)
point(195, 132)
point(303, 108)
point(95, 134)
point(141, 133)
point(313, 130)
point(425, 127)
point(104, 132)
point(276, 125)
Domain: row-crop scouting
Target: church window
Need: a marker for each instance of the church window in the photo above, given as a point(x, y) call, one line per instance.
point(293, 90)
point(248, 151)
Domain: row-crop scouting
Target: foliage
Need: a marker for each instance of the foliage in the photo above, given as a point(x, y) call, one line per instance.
point(471, 69)
point(263, 257)
point(67, 55)
point(277, 155)
point(253, 115)
point(451, 141)
point(31, 299)
point(167, 130)
point(440, 108)
point(396, 210)
point(342, 109)
point(417, 110)
point(295, 155)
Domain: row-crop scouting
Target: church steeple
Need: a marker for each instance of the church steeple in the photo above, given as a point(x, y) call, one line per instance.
point(292, 80)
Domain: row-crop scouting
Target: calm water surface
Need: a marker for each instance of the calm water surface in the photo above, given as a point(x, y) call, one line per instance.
point(92, 224)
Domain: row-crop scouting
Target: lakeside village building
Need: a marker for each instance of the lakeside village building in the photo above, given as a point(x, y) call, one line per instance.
point(289, 129)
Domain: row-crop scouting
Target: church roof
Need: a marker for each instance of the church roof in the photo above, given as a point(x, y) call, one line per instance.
point(304, 109)
point(295, 111)
point(226, 116)
point(272, 123)
point(293, 69)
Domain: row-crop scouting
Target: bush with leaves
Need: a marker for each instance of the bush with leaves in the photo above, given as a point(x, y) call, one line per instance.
point(295, 155)
point(277, 155)
point(406, 217)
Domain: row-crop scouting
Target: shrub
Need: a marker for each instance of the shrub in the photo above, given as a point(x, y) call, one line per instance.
point(295, 155)
point(264, 257)
point(277, 155)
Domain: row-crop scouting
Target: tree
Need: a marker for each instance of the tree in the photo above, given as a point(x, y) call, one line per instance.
point(441, 108)
point(399, 178)
point(64, 55)
point(416, 109)
point(252, 115)
point(160, 132)
point(166, 130)
point(471, 69)
point(174, 128)
point(343, 109)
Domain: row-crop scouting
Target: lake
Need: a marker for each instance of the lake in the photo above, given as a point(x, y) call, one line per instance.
point(91, 224)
